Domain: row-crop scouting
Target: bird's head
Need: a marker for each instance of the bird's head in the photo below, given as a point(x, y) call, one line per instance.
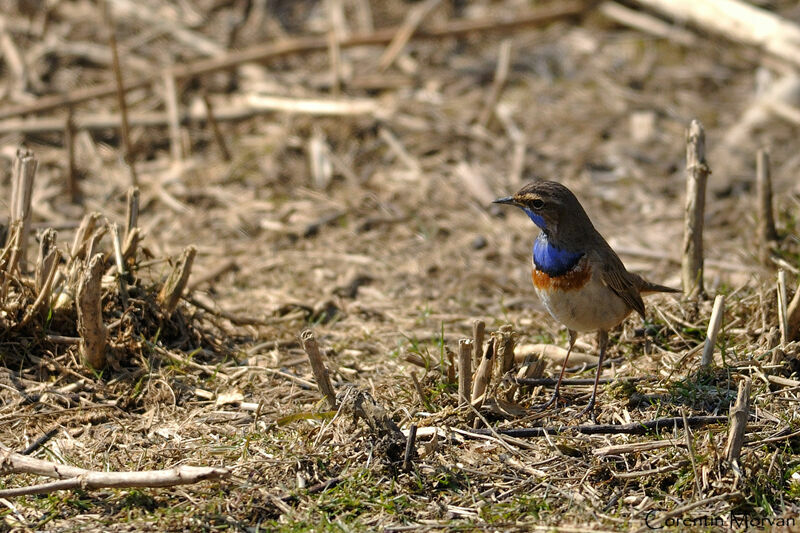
point(548, 203)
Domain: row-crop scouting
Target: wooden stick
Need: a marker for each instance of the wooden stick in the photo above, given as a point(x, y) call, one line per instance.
point(636, 447)
point(73, 188)
point(500, 77)
point(783, 322)
point(465, 371)
point(132, 211)
point(418, 387)
point(451, 365)
point(739, 414)
point(173, 113)
point(635, 428)
point(24, 173)
point(47, 245)
point(264, 52)
point(793, 316)
point(713, 329)
point(129, 247)
point(647, 23)
point(94, 241)
point(335, 56)
point(41, 440)
point(422, 362)
point(697, 172)
point(318, 367)
point(176, 282)
point(80, 478)
point(555, 354)
point(484, 372)
point(8, 259)
point(219, 138)
point(119, 87)
point(91, 329)
point(505, 348)
point(14, 63)
point(687, 433)
point(318, 106)
point(738, 21)
point(412, 438)
point(252, 106)
point(319, 159)
point(478, 331)
point(531, 369)
point(49, 268)
point(549, 382)
point(119, 259)
point(82, 235)
point(413, 19)
point(766, 219)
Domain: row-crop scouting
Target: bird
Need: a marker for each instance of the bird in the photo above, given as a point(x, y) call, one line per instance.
point(579, 278)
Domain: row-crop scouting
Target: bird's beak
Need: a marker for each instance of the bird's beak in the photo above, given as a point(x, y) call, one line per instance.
point(505, 200)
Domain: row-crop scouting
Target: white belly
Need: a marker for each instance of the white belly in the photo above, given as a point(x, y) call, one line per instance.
point(590, 308)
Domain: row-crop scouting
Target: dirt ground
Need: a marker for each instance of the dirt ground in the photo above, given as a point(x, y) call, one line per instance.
point(373, 226)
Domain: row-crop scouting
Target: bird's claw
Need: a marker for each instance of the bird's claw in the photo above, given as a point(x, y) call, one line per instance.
point(552, 401)
point(590, 410)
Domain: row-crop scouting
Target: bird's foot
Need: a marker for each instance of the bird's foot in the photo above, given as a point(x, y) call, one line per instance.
point(549, 403)
point(589, 409)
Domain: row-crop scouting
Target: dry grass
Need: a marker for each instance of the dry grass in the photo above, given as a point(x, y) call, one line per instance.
point(386, 246)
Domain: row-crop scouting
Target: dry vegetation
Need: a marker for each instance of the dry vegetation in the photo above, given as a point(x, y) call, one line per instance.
point(345, 187)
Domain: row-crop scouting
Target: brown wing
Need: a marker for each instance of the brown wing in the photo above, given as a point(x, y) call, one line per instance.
point(623, 283)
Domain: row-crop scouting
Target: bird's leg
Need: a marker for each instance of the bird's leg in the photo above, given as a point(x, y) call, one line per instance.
point(573, 336)
point(602, 341)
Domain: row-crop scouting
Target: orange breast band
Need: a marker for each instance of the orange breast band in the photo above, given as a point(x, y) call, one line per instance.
point(572, 280)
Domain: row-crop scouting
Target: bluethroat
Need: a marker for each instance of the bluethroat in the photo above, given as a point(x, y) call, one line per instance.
point(579, 278)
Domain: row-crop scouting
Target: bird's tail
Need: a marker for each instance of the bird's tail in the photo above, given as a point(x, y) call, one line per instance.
point(647, 287)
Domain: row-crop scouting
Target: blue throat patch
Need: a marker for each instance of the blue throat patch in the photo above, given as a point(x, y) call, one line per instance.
point(537, 219)
point(551, 260)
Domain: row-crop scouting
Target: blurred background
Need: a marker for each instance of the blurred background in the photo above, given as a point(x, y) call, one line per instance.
point(351, 159)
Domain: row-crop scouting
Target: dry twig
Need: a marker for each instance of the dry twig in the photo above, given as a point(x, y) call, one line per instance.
point(318, 367)
point(415, 16)
point(119, 87)
point(72, 477)
point(739, 414)
point(783, 311)
point(23, 175)
point(91, 329)
point(215, 129)
point(635, 428)
point(714, 324)
point(766, 220)
point(738, 21)
point(696, 176)
point(464, 371)
point(500, 77)
point(478, 331)
point(793, 316)
point(176, 282)
point(484, 372)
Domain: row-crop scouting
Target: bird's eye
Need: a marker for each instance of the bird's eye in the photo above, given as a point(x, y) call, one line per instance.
point(537, 203)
